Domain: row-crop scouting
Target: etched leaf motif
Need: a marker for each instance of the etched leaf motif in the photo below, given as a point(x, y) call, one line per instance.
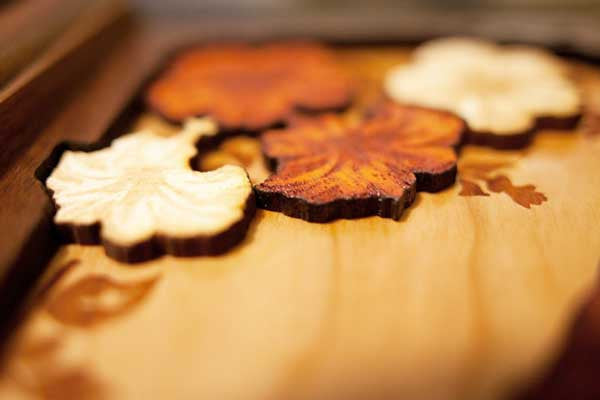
point(524, 195)
point(472, 171)
point(145, 200)
point(470, 188)
point(76, 384)
point(329, 168)
point(96, 299)
point(503, 92)
point(45, 362)
point(250, 88)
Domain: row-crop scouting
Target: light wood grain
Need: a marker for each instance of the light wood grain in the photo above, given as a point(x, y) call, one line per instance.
point(465, 298)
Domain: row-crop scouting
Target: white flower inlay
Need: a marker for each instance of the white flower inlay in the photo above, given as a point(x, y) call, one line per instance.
point(142, 185)
point(496, 89)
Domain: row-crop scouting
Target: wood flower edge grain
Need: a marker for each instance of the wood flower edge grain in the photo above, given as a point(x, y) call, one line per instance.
point(140, 198)
point(327, 168)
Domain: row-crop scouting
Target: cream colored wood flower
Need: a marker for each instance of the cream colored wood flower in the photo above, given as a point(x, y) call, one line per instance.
point(140, 197)
point(503, 92)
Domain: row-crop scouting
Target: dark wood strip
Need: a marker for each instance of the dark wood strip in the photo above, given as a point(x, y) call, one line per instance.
point(28, 240)
point(29, 27)
point(31, 98)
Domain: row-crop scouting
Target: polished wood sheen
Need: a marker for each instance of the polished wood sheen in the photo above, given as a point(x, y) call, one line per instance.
point(469, 295)
point(328, 168)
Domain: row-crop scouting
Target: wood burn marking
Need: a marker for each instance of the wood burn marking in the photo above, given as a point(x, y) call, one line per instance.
point(40, 368)
point(42, 372)
point(474, 174)
point(97, 298)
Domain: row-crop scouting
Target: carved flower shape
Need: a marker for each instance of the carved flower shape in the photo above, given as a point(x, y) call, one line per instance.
point(140, 197)
point(329, 168)
point(503, 93)
point(250, 88)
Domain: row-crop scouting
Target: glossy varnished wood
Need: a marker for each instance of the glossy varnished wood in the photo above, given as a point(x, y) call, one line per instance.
point(465, 297)
point(117, 68)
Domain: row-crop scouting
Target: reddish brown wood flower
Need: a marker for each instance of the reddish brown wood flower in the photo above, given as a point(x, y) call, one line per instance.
point(250, 88)
point(328, 168)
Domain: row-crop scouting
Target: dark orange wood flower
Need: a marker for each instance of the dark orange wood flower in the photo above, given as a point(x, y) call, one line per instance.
point(328, 168)
point(250, 88)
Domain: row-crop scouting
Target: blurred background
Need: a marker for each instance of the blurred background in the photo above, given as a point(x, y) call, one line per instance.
point(44, 31)
point(331, 6)
point(27, 26)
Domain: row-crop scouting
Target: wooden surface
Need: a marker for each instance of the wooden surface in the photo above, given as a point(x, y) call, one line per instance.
point(466, 297)
point(28, 103)
point(53, 73)
point(28, 27)
point(80, 96)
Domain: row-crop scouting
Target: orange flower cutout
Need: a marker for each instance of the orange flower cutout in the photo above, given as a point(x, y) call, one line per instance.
point(329, 168)
point(250, 88)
